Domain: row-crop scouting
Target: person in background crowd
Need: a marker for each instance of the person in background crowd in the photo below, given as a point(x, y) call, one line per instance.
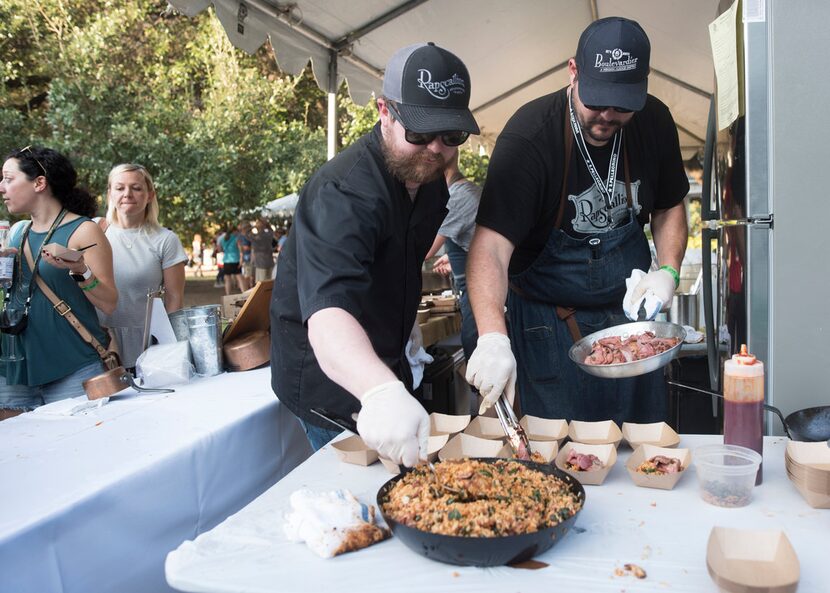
point(573, 178)
point(283, 237)
point(42, 183)
point(228, 244)
point(145, 255)
point(262, 244)
point(198, 255)
point(455, 236)
point(247, 265)
point(349, 284)
point(218, 258)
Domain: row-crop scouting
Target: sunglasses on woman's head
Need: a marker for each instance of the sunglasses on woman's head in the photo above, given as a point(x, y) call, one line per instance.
point(449, 138)
point(29, 150)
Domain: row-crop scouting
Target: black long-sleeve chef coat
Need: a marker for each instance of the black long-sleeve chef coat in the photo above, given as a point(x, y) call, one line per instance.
point(358, 242)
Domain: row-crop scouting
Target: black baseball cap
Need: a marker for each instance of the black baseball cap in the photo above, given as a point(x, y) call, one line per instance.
point(431, 89)
point(613, 62)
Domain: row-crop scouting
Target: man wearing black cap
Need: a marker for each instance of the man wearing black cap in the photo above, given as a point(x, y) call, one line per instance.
point(572, 180)
point(349, 279)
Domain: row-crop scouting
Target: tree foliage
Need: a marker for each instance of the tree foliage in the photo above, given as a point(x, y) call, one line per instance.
point(112, 81)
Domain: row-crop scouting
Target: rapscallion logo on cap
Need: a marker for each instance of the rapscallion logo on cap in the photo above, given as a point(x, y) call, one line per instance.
point(441, 89)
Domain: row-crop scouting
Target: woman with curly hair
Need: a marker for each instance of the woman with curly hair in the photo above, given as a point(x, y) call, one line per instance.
point(42, 183)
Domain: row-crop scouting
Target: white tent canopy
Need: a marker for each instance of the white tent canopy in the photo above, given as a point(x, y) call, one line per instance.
point(515, 51)
point(284, 204)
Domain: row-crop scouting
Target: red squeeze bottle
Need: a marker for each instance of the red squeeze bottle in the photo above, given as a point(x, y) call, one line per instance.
point(743, 409)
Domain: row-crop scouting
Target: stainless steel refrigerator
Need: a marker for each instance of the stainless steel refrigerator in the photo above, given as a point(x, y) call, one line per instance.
point(766, 205)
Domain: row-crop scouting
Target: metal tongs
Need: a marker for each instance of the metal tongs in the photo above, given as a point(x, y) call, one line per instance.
point(510, 424)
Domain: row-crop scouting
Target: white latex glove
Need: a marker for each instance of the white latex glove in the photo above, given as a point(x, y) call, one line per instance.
point(654, 289)
point(492, 369)
point(394, 424)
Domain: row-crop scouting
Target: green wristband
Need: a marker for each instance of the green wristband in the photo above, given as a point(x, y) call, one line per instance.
point(94, 283)
point(674, 274)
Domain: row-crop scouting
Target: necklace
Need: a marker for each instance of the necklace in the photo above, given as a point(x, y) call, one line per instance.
point(123, 237)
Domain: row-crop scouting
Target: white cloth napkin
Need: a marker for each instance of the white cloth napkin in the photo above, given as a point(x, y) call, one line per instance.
point(416, 355)
point(70, 407)
point(324, 520)
point(632, 307)
point(692, 335)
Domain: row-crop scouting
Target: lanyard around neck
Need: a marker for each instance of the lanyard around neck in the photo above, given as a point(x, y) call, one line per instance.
point(606, 188)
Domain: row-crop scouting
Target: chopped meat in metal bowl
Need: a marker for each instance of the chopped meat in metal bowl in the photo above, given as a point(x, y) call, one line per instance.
point(614, 350)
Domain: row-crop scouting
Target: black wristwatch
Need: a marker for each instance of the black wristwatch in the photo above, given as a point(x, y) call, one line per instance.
point(86, 275)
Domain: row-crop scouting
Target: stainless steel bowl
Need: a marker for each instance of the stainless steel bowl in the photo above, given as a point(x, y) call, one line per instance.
point(662, 329)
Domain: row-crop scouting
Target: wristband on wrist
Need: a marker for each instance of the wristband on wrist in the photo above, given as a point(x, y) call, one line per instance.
point(92, 285)
point(674, 274)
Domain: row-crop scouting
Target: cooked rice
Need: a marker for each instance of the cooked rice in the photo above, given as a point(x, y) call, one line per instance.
point(495, 499)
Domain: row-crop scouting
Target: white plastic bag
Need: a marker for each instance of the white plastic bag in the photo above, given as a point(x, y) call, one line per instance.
point(163, 365)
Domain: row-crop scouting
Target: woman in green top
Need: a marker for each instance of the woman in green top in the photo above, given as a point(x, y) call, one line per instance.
point(41, 183)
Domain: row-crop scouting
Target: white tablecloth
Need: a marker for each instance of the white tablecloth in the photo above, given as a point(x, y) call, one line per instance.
point(93, 502)
point(665, 532)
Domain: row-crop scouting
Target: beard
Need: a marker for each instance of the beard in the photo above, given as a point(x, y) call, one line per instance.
point(588, 129)
point(422, 167)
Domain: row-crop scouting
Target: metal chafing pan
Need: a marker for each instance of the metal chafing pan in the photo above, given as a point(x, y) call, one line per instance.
point(484, 551)
point(662, 329)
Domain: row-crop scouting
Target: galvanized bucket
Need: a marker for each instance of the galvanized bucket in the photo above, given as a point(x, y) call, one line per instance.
point(204, 325)
point(178, 319)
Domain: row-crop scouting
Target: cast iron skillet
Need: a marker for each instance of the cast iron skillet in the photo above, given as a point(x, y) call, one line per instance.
point(483, 551)
point(810, 424)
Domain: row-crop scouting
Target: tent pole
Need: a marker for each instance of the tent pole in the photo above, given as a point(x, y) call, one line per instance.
point(332, 107)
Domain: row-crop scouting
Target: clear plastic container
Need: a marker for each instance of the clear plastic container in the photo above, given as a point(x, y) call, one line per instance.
point(726, 474)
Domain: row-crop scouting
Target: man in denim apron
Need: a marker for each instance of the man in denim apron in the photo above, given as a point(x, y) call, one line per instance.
point(573, 178)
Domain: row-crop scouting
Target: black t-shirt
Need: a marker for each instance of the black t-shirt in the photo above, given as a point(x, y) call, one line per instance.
point(357, 243)
point(524, 180)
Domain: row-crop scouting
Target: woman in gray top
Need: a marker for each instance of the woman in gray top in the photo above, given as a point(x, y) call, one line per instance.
point(145, 256)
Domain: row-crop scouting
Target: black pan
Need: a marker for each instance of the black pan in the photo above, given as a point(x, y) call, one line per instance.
point(483, 551)
point(811, 424)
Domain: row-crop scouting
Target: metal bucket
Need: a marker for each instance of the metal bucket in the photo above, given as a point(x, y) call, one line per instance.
point(685, 310)
point(178, 319)
point(204, 325)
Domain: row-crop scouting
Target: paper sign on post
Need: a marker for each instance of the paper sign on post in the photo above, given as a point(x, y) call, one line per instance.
point(723, 37)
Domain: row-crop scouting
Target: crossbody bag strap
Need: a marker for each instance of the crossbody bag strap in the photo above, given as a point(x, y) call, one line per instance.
point(64, 310)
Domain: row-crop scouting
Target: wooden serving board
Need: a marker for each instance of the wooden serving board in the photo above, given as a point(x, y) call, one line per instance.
point(255, 313)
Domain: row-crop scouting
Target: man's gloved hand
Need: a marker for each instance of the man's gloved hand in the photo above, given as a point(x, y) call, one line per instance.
point(492, 369)
point(656, 289)
point(393, 423)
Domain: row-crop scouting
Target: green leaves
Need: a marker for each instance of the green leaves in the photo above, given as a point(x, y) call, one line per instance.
point(221, 131)
point(113, 81)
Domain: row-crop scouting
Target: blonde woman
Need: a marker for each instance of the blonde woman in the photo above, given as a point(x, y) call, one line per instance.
point(145, 256)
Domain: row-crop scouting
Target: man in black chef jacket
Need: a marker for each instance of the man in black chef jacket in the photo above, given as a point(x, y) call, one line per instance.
point(349, 280)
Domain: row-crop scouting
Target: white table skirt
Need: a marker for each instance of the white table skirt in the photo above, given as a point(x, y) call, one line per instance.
point(665, 532)
point(93, 502)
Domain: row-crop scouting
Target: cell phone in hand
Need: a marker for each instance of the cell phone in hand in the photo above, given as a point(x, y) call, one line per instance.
point(65, 253)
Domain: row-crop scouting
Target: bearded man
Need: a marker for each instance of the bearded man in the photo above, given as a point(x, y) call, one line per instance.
point(574, 177)
point(349, 279)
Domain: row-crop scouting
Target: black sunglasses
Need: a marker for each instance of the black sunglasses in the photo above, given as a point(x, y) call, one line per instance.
point(29, 150)
point(604, 107)
point(449, 138)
